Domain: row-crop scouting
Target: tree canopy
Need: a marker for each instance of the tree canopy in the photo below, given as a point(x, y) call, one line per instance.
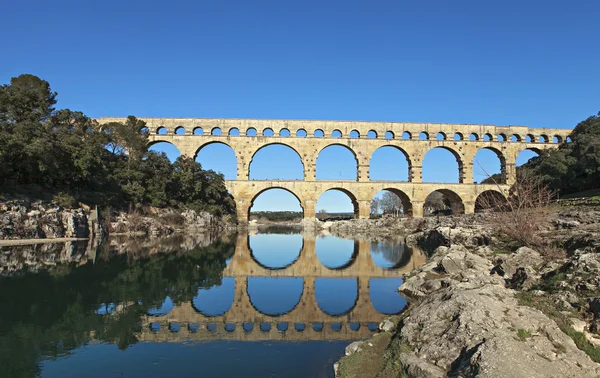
point(49, 151)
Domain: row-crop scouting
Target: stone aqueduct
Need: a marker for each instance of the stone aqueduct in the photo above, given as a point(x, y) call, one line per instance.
point(247, 136)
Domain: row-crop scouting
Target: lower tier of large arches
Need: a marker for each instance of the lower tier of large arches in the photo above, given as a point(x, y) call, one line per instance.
point(460, 197)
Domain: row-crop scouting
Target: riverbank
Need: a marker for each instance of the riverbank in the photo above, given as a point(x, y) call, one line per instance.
point(484, 306)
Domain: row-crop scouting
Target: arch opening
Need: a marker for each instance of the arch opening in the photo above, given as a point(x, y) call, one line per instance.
point(276, 161)
point(198, 131)
point(529, 138)
point(301, 133)
point(268, 132)
point(337, 162)
point(487, 137)
point(391, 202)
point(219, 157)
point(284, 132)
point(390, 163)
point(234, 131)
point(515, 138)
point(389, 135)
point(179, 130)
point(473, 137)
point(557, 139)
point(372, 134)
point(354, 134)
point(274, 204)
point(166, 148)
point(458, 136)
point(406, 135)
point(501, 138)
point(336, 134)
point(490, 200)
point(336, 204)
point(161, 130)
point(442, 165)
point(543, 139)
point(526, 155)
point(423, 136)
point(443, 202)
point(489, 166)
point(216, 131)
point(319, 133)
point(440, 136)
point(251, 132)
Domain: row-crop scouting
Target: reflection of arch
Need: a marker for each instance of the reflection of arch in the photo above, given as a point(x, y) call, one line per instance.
point(323, 306)
point(273, 187)
point(259, 263)
point(405, 253)
point(276, 144)
point(346, 147)
point(256, 303)
point(502, 160)
point(455, 201)
point(345, 265)
point(489, 199)
point(406, 156)
point(350, 195)
point(456, 156)
point(226, 289)
point(406, 204)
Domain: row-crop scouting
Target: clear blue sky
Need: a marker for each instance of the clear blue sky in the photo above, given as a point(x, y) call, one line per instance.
point(529, 63)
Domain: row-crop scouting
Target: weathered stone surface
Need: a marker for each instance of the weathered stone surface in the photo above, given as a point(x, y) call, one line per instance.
point(387, 326)
point(354, 347)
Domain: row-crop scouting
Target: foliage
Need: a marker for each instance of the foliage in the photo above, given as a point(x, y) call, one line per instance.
point(71, 156)
point(48, 315)
point(573, 167)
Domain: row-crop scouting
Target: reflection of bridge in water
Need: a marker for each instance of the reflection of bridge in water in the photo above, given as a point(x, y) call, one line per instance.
point(306, 321)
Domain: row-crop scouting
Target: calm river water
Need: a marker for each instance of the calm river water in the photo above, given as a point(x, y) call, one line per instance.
point(262, 305)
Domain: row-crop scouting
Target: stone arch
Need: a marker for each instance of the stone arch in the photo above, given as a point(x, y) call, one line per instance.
point(301, 133)
point(440, 136)
point(161, 130)
point(515, 138)
point(319, 155)
point(456, 155)
point(226, 163)
point(458, 136)
point(404, 198)
point(277, 161)
point(406, 135)
point(336, 133)
point(543, 138)
point(198, 131)
point(473, 137)
point(487, 137)
point(180, 130)
point(216, 131)
point(270, 188)
point(354, 134)
point(234, 131)
point(501, 137)
point(557, 139)
point(251, 131)
point(166, 147)
point(424, 135)
point(372, 134)
point(489, 200)
point(268, 132)
point(335, 285)
point(144, 130)
point(527, 154)
point(270, 290)
point(374, 175)
point(501, 160)
point(205, 295)
point(452, 203)
point(284, 132)
point(389, 135)
point(348, 193)
point(529, 138)
point(319, 133)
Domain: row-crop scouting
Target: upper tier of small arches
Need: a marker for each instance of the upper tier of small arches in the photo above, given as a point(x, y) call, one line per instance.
point(353, 130)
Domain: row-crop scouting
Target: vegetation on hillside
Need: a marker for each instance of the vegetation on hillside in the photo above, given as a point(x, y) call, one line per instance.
point(71, 157)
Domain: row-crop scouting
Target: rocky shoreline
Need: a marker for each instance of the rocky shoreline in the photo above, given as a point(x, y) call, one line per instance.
point(481, 309)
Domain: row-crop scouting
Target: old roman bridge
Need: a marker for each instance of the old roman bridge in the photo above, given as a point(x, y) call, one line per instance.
point(305, 321)
point(308, 138)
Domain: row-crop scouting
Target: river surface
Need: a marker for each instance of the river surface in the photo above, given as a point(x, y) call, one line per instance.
point(262, 305)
